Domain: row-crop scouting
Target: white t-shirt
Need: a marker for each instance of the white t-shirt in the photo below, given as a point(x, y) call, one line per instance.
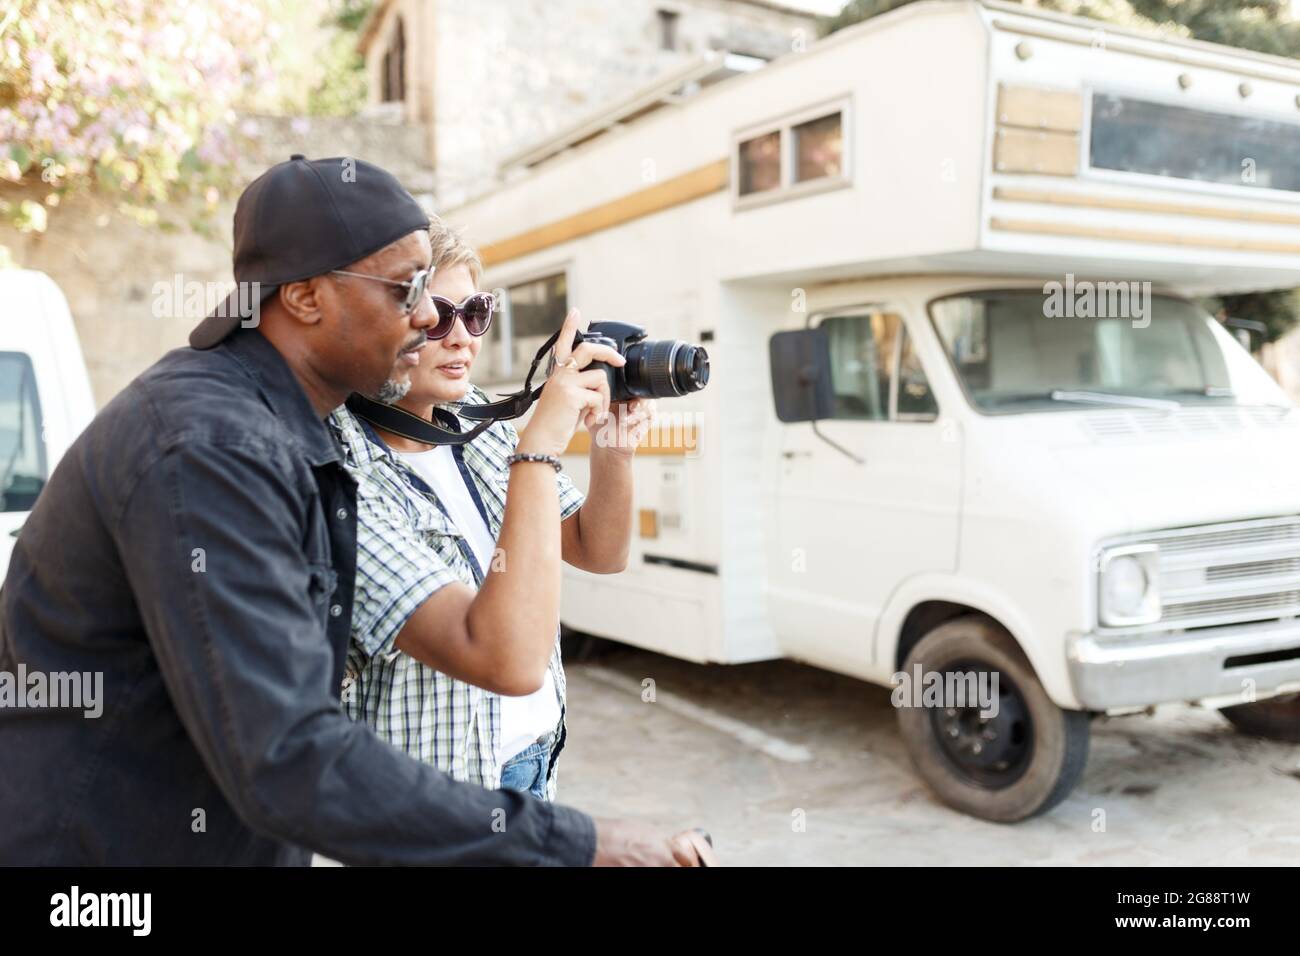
point(523, 719)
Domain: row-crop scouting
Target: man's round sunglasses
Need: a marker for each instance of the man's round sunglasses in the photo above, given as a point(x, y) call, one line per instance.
point(476, 311)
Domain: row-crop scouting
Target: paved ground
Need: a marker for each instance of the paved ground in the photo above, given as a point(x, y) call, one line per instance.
point(742, 750)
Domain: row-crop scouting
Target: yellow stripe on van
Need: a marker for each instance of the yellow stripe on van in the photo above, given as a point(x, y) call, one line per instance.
point(1141, 235)
point(660, 440)
point(695, 184)
point(1125, 204)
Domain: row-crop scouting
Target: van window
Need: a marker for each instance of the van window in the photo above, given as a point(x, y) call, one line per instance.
point(915, 399)
point(1158, 139)
point(22, 442)
point(803, 154)
point(530, 312)
point(819, 148)
point(1015, 351)
point(760, 164)
point(875, 373)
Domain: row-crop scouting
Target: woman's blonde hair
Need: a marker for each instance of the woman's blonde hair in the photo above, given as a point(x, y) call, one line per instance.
point(450, 249)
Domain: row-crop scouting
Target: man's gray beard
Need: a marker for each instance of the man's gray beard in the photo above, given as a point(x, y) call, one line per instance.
point(393, 391)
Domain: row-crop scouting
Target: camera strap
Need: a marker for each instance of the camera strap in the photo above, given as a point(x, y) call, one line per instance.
point(513, 404)
point(399, 421)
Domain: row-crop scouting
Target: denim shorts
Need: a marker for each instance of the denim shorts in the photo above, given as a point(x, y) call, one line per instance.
point(528, 770)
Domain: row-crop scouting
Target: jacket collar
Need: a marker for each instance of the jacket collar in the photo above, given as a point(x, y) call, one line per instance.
point(280, 390)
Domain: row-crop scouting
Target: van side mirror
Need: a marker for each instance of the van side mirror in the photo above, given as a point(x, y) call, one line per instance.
point(1242, 328)
point(801, 375)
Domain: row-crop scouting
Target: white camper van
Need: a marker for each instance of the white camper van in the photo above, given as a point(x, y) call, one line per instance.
point(965, 413)
point(45, 398)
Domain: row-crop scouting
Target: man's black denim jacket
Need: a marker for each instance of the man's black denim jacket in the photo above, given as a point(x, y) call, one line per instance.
point(196, 546)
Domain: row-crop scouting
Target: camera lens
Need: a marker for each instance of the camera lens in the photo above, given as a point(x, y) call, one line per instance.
point(665, 368)
point(692, 368)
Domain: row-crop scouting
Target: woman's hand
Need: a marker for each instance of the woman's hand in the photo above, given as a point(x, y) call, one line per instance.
point(625, 428)
point(571, 395)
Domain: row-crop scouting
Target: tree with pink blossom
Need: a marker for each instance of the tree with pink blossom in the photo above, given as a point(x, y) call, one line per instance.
point(134, 98)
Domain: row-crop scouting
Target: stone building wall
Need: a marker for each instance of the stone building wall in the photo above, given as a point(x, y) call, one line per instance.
point(488, 77)
point(114, 271)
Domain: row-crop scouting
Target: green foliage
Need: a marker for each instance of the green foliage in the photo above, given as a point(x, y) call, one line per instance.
point(858, 10)
point(1277, 310)
point(341, 91)
point(348, 15)
point(136, 99)
point(1266, 26)
point(319, 71)
point(127, 97)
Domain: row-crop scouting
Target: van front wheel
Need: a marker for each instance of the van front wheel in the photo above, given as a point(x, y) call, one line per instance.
point(1005, 762)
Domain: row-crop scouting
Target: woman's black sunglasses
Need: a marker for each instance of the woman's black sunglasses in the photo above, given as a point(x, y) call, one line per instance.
point(475, 312)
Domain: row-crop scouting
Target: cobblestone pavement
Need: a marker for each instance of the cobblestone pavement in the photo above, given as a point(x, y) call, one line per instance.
point(750, 751)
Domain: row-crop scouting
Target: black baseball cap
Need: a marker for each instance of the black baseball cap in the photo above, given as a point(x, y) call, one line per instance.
point(303, 218)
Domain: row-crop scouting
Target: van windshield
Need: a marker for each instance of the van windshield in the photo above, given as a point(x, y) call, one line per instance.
point(22, 441)
point(1033, 350)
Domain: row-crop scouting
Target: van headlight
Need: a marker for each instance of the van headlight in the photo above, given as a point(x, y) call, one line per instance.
point(1128, 590)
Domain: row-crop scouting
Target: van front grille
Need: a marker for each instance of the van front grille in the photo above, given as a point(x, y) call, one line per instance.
point(1232, 573)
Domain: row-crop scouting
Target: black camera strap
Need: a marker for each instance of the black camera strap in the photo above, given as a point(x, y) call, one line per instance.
point(514, 404)
point(399, 421)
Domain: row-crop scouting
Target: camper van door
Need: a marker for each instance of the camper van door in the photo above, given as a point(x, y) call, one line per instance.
point(855, 521)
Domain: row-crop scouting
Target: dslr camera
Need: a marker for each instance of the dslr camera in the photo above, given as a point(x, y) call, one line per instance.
point(658, 368)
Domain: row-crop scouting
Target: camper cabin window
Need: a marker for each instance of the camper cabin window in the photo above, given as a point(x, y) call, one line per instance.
point(819, 148)
point(875, 373)
point(802, 154)
point(1159, 139)
point(760, 164)
point(529, 313)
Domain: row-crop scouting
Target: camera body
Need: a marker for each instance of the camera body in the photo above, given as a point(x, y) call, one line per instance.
point(656, 368)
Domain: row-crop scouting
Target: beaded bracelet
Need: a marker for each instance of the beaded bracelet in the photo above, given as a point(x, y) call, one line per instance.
point(549, 459)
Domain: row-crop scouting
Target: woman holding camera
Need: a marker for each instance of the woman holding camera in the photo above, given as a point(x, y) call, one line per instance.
point(454, 656)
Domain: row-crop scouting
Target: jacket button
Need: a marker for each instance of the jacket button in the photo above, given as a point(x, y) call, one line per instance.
point(336, 610)
point(341, 514)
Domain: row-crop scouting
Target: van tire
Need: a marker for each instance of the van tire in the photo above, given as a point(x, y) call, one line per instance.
point(1041, 749)
point(1277, 718)
point(578, 647)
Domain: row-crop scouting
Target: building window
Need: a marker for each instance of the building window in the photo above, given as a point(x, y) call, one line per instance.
point(531, 312)
point(394, 78)
point(805, 153)
point(668, 23)
point(875, 373)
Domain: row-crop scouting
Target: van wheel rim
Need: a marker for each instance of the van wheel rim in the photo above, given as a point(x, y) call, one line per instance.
point(990, 751)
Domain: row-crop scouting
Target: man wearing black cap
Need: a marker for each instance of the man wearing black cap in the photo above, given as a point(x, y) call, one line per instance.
point(196, 546)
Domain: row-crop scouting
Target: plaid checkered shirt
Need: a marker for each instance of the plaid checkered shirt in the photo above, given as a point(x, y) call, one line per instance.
point(408, 548)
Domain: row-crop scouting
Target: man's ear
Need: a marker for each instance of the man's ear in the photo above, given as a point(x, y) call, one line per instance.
point(301, 300)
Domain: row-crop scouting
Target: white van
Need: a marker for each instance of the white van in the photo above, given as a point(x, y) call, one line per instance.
point(45, 397)
point(965, 413)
